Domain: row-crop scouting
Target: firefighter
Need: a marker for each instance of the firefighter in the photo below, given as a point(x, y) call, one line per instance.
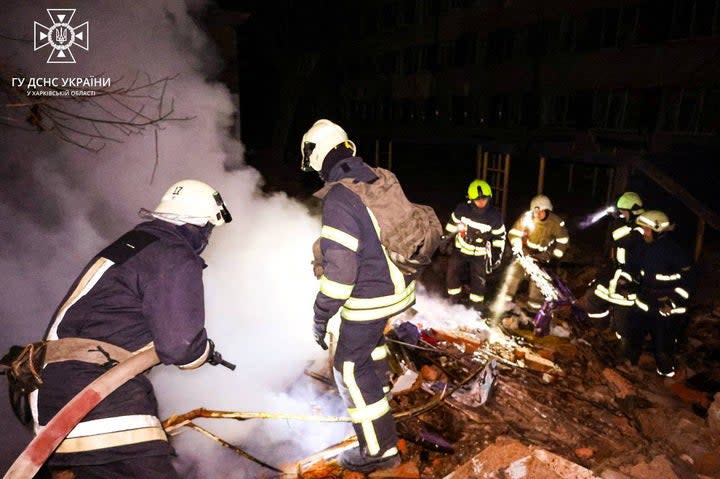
point(614, 290)
point(664, 270)
point(145, 287)
point(540, 234)
point(359, 280)
point(477, 234)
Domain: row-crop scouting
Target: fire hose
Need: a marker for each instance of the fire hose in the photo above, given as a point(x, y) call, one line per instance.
point(53, 433)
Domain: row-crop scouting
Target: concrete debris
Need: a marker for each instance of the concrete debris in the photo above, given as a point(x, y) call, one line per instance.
point(408, 470)
point(510, 458)
point(408, 381)
point(620, 386)
point(658, 468)
point(713, 415)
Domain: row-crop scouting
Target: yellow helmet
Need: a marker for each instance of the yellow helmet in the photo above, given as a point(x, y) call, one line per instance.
point(479, 189)
point(630, 201)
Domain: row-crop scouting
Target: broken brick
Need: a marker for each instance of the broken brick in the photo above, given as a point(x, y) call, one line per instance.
point(407, 470)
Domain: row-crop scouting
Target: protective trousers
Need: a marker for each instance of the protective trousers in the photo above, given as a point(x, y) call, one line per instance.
point(362, 375)
point(663, 332)
point(459, 265)
point(515, 275)
point(603, 313)
point(159, 467)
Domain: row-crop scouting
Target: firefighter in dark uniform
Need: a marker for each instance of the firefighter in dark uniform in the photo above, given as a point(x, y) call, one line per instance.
point(542, 235)
point(359, 280)
point(477, 233)
point(664, 277)
point(145, 287)
point(614, 290)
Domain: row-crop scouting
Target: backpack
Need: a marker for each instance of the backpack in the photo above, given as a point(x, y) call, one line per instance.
point(409, 232)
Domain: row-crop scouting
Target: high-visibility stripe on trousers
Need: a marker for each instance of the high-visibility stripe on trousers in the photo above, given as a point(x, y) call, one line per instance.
point(362, 376)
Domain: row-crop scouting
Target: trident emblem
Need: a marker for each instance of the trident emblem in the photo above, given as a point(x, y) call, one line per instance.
point(61, 36)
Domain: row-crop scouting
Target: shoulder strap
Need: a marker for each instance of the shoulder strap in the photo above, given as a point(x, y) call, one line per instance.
point(127, 246)
point(85, 350)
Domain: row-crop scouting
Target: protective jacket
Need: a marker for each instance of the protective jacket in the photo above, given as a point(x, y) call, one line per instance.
point(473, 227)
point(474, 230)
point(662, 299)
point(542, 239)
point(616, 284)
point(361, 281)
point(358, 277)
point(664, 276)
point(145, 287)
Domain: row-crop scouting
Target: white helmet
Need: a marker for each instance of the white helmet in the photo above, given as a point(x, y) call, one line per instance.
point(322, 137)
point(655, 220)
point(191, 202)
point(541, 202)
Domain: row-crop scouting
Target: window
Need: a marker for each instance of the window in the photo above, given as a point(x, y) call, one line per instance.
point(706, 17)
point(460, 114)
point(710, 119)
point(529, 110)
point(465, 50)
point(654, 18)
point(606, 28)
point(627, 25)
point(536, 40)
point(682, 19)
point(688, 110)
point(566, 38)
point(617, 101)
point(408, 12)
point(582, 106)
point(642, 109)
point(500, 46)
point(499, 110)
point(410, 61)
point(609, 109)
point(384, 108)
point(681, 110)
point(431, 110)
point(389, 16)
point(387, 63)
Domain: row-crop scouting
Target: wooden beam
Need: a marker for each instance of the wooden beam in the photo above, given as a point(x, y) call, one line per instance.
point(667, 183)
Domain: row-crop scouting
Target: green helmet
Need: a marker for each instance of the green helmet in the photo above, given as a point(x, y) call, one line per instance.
point(630, 201)
point(655, 220)
point(479, 189)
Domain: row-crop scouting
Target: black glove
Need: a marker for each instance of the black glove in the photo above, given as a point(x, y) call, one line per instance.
point(542, 257)
point(319, 331)
point(447, 243)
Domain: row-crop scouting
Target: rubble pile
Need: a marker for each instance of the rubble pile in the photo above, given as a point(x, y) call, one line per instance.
point(515, 405)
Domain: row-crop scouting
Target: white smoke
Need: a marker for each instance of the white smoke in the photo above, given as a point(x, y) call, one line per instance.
point(61, 204)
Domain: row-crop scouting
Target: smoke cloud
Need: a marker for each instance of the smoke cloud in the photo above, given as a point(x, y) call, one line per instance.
point(62, 203)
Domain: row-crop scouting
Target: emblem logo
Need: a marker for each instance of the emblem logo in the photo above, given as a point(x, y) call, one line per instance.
point(61, 35)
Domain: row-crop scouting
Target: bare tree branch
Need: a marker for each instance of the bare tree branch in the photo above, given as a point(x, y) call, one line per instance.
point(129, 107)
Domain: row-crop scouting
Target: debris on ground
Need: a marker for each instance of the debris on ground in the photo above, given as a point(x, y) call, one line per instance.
point(557, 406)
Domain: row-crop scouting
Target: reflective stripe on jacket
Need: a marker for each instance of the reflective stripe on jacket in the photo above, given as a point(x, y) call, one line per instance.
point(539, 236)
point(358, 277)
point(473, 227)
